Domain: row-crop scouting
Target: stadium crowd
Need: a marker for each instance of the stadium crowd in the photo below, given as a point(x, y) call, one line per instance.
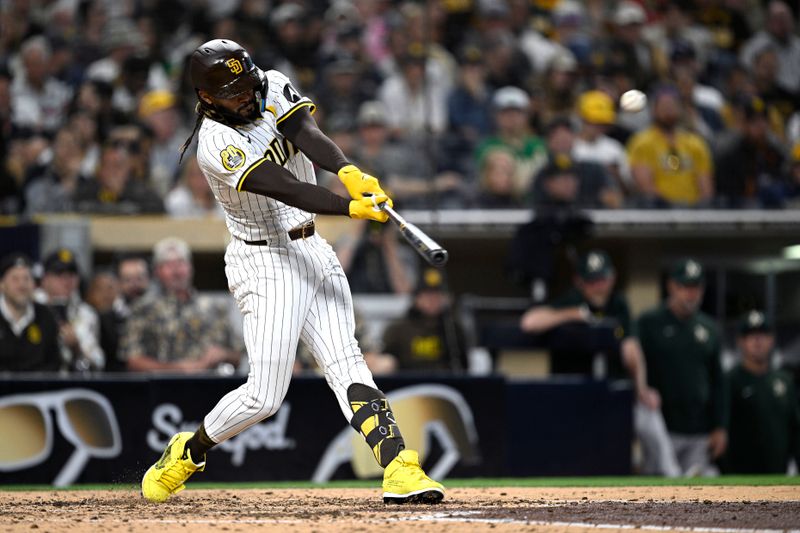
point(512, 102)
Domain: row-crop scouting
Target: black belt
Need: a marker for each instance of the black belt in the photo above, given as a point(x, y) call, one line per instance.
point(304, 231)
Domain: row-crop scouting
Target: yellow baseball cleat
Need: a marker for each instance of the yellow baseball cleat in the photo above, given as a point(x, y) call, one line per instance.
point(169, 474)
point(404, 481)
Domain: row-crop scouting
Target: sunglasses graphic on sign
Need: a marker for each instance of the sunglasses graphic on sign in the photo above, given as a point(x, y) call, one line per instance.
point(84, 418)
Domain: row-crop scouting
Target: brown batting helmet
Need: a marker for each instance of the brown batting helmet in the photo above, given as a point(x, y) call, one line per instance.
point(224, 69)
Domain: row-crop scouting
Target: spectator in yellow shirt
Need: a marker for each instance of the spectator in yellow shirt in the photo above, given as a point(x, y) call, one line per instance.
point(670, 166)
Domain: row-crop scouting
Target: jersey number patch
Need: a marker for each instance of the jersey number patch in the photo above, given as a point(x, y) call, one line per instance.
point(232, 157)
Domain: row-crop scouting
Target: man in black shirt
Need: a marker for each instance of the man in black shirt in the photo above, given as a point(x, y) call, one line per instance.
point(28, 331)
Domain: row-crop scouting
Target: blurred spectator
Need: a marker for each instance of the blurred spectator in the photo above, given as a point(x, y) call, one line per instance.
point(341, 92)
point(113, 189)
point(506, 64)
point(28, 331)
point(496, 181)
point(158, 111)
point(52, 190)
point(592, 145)
point(560, 87)
point(414, 104)
point(627, 46)
point(778, 33)
point(511, 105)
point(133, 275)
point(102, 292)
point(468, 110)
point(684, 60)
point(702, 104)
point(682, 350)
point(764, 76)
point(376, 261)
point(764, 414)
point(173, 328)
point(78, 324)
point(428, 338)
point(670, 166)
point(192, 197)
point(749, 162)
point(567, 183)
point(38, 100)
point(27, 152)
point(590, 333)
point(399, 166)
point(538, 48)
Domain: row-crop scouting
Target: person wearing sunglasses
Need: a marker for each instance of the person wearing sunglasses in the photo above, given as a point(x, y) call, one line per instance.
point(28, 330)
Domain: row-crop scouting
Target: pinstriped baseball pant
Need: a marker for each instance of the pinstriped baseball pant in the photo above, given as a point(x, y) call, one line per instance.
point(287, 292)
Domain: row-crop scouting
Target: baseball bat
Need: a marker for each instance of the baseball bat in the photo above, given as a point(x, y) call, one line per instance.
point(424, 245)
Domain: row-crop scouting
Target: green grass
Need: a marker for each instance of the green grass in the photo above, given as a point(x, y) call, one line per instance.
point(544, 482)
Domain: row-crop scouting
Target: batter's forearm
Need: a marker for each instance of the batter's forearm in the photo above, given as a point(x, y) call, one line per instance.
point(270, 179)
point(302, 130)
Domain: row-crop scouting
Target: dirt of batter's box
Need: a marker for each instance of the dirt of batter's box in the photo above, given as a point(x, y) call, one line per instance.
point(347, 510)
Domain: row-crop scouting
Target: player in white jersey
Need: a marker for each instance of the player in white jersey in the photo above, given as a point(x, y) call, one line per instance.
point(256, 143)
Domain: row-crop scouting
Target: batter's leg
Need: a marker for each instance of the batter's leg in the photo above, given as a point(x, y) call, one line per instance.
point(329, 332)
point(273, 299)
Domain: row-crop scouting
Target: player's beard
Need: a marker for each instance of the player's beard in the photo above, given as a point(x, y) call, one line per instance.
point(249, 112)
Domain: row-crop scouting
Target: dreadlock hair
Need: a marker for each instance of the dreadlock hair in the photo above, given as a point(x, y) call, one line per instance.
point(200, 116)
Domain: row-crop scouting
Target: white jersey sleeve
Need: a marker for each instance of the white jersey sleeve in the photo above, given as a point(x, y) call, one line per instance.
point(227, 156)
point(282, 98)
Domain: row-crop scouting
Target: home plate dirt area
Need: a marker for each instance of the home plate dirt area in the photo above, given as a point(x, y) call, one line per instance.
point(692, 508)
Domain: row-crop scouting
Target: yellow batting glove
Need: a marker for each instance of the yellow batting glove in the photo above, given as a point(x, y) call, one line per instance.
point(367, 208)
point(358, 183)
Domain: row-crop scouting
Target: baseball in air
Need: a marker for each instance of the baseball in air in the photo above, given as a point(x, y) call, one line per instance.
point(633, 101)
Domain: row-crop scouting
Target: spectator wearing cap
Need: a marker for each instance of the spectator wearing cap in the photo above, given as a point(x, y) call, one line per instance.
point(590, 333)
point(592, 145)
point(764, 414)
point(78, 323)
point(158, 111)
point(682, 349)
point(779, 34)
point(174, 329)
point(511, 106)
point(28, 332)
point(428, 338)
point(749, 162)
point(414, 107)
point(670, 165)
point(566, 183)
point(683, 59)
point(38, 100)
point(629, 48)
point(114, 190)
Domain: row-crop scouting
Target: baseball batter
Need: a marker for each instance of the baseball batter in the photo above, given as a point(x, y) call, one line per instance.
point(256, 143)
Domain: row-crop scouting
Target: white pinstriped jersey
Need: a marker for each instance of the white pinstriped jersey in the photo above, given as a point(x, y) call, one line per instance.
point(227, 154)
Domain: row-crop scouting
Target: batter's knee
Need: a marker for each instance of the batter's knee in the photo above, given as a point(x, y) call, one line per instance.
point(261, 407)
